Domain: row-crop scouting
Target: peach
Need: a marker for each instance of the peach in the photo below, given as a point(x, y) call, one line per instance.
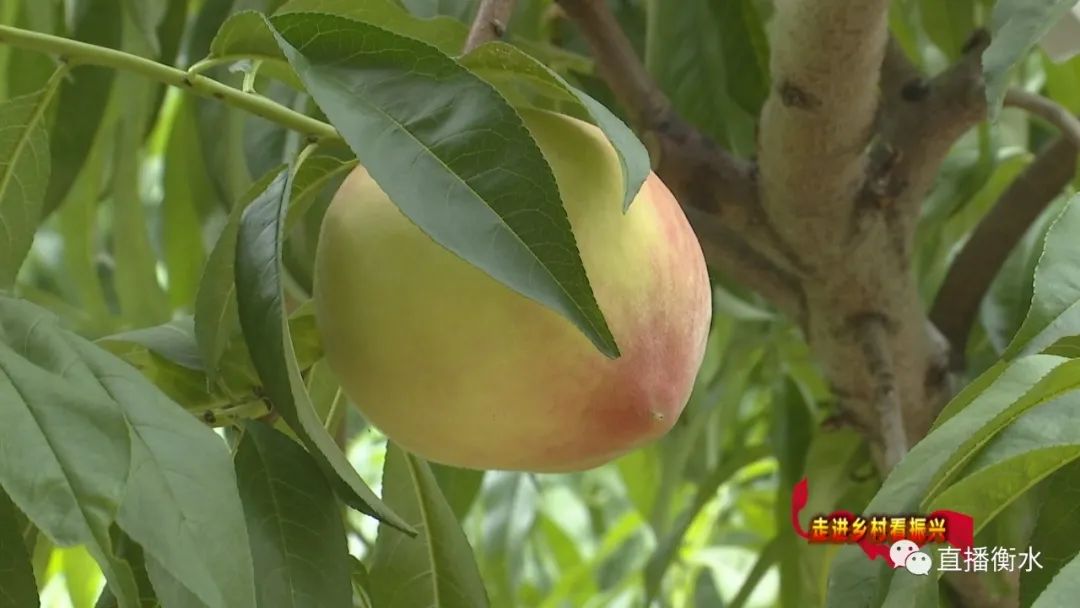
point(460, 369)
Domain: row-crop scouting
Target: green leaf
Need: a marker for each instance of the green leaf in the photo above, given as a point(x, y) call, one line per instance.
point(1016, 26)
point(435, 568)
point(148, 15)
point(501, 63)
point(265, 327)
point(1055, 306)
point(312, 176)
point(59, 432)
point(142, 301)
point(174, 341)
point(17, 586)
point(509, 504)
point(83, 100)
point(1063, 82)
point(687, 58)
point(1063, 589)
point(297, 535)
point(130, 552)
point(746, 53)
point(180, 505)
point(460, 487)
point(1057, 530)
point(216, 317)
point(948, 24)
point(187, 187)
point(935, 461)
point(447, 35)
point(428, 130)
point(1036, 444)
point(668, 546)
point(24, 175)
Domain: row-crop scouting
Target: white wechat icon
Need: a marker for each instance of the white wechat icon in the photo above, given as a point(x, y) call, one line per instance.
point(900, 550)
point(918, 563)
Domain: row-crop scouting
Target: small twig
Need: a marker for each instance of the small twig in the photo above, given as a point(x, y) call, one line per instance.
point(874, 340)
point(974, 268)
point(490, 23)
point(1047, 109)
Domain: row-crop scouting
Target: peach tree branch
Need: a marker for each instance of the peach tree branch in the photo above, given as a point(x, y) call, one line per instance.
point(492, 19)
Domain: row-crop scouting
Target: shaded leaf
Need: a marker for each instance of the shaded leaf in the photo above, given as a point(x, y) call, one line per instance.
point(174, 341)
point(53, 412)
point(435, 568)
point(434, 132)
point(1063, 589)
point(1057, 530)
point(24, 175)
point(297, 534)
point(83, 100)
point(17, 586)
point(180, 505)
point(216, 317)
point(264, 324)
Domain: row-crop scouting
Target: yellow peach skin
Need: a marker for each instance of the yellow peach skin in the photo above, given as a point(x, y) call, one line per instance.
point(462, 370)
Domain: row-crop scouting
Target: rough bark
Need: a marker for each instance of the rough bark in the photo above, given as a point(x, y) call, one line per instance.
point(850, 141)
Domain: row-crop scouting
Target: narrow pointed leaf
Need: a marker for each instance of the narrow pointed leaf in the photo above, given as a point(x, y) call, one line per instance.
point(265, 327)
point(1055, 305)
point(24, 175)
point(296, 530)
point(83, 100)
point(435, 568)
point(451, 153)
point(934, 462)
point(1056, 532)
point(216, 317)
point(174, 341)
point(498, 62)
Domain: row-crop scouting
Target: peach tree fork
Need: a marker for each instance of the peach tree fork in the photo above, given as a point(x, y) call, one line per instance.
point(821, 163)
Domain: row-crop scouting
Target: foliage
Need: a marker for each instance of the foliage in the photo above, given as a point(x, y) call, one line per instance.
point(156, 242)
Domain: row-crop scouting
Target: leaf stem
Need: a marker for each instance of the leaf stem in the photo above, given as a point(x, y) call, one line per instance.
point(80, 53)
